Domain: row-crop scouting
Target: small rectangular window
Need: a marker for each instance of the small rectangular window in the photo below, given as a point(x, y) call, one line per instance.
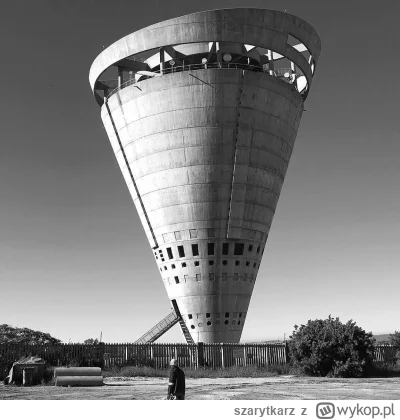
point(198, 277)
point(190, 316)
point(225, 248)
point(224, 276)
point(226, 314)
point(181, 251)
point(210, 249)
point(178, 235)
point(235, 276)
point(239, 248)
point(186, 277)
point(193, 233)
point(208, 314)
point(176, 279)
point(169, 252)
point(195, 250)
point(211, 276)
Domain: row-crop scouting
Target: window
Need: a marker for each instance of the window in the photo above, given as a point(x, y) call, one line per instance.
point(198, 277)
point(193, 233)
point(172, 266)
point(225, 248)
point(239, 248)
point(250, 248)
point(165, 267)
point(226, 314)
point(192, 327)
point(211, 276)
point(195, 250)
point(237, 262)
point(254, 265)
point(208, 315)
point(211, 233)
point(211, 262)
point(176, 279)
point(238, 322)
point(226, 322)
point(190, 316)
point(183, 265)
point(258, 249)
point(244, 277)
point(178, 235)
point(169, 252)
point(210, 249)
point(235, 276)
point(162, 259)
point(224, 276)
point(247, 263)
point(240, 315)
point(181, 251)
point(196, 263)
point(159, 251)
point(208, 323)
point(224, 262)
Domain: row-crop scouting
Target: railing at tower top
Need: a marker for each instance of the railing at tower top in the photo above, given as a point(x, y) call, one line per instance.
point(159, 329)
point(286, 74)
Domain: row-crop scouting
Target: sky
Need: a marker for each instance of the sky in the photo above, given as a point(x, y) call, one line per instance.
point(74, 259)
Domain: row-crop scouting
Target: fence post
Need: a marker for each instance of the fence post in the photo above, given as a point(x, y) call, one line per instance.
point(200, 354)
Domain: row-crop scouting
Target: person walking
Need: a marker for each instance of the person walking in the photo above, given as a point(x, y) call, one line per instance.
point(176, 384)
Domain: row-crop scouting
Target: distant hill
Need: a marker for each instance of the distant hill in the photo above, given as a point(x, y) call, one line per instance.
point(381, 337)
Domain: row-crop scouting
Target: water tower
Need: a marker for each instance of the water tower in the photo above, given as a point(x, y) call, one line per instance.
point(202, 112)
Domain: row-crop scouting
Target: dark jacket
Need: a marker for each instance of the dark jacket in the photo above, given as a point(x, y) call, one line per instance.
point(176, 383)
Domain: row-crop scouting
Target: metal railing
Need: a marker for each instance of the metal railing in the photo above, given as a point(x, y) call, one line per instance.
point(159, 329)
point(279, 73)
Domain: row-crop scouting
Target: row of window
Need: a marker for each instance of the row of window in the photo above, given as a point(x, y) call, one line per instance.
point(218, 315)
point(217, 322)
point(237, 250)
point(210, 262)
point(211, 277)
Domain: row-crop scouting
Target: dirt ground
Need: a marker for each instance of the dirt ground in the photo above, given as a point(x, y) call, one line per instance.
point(275, 388)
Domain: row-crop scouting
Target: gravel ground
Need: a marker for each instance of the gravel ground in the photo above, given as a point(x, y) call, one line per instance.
point(275, 388)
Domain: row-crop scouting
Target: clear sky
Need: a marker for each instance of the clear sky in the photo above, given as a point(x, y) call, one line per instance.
point(74, 259)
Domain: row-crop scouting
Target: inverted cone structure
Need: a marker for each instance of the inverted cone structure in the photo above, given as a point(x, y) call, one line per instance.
point(202, 116)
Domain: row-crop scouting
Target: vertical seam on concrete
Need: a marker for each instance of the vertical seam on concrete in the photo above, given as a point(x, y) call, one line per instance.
point(131, 175)
point(235, 155)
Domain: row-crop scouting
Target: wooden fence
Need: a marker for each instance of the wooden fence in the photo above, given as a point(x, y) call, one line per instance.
point(159, 355)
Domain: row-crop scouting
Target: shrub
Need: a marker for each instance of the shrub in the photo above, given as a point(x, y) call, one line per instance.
point(394, 339)
point(331, 348)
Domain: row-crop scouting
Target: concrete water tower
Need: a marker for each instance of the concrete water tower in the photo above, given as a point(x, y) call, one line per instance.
point(202, 113)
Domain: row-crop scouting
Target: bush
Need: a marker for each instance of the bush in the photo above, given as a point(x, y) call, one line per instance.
point(331, 348)
point(394, 339)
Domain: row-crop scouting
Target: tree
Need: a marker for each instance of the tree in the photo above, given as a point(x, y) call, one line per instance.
point(331, 348)
point(9, 334)
point(93, 341)
point(394, 339)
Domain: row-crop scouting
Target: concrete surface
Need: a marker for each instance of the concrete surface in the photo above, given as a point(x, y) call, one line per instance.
point(275, 388)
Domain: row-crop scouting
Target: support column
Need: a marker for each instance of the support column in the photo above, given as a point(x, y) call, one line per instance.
point(162, 61)
point(120, 77)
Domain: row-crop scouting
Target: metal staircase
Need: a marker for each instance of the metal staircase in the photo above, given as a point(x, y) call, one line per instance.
point(186, 332)
point(163, 326)
point(159, 329)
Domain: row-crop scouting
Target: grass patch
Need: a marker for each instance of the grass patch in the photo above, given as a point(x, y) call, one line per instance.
point(233, 372)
